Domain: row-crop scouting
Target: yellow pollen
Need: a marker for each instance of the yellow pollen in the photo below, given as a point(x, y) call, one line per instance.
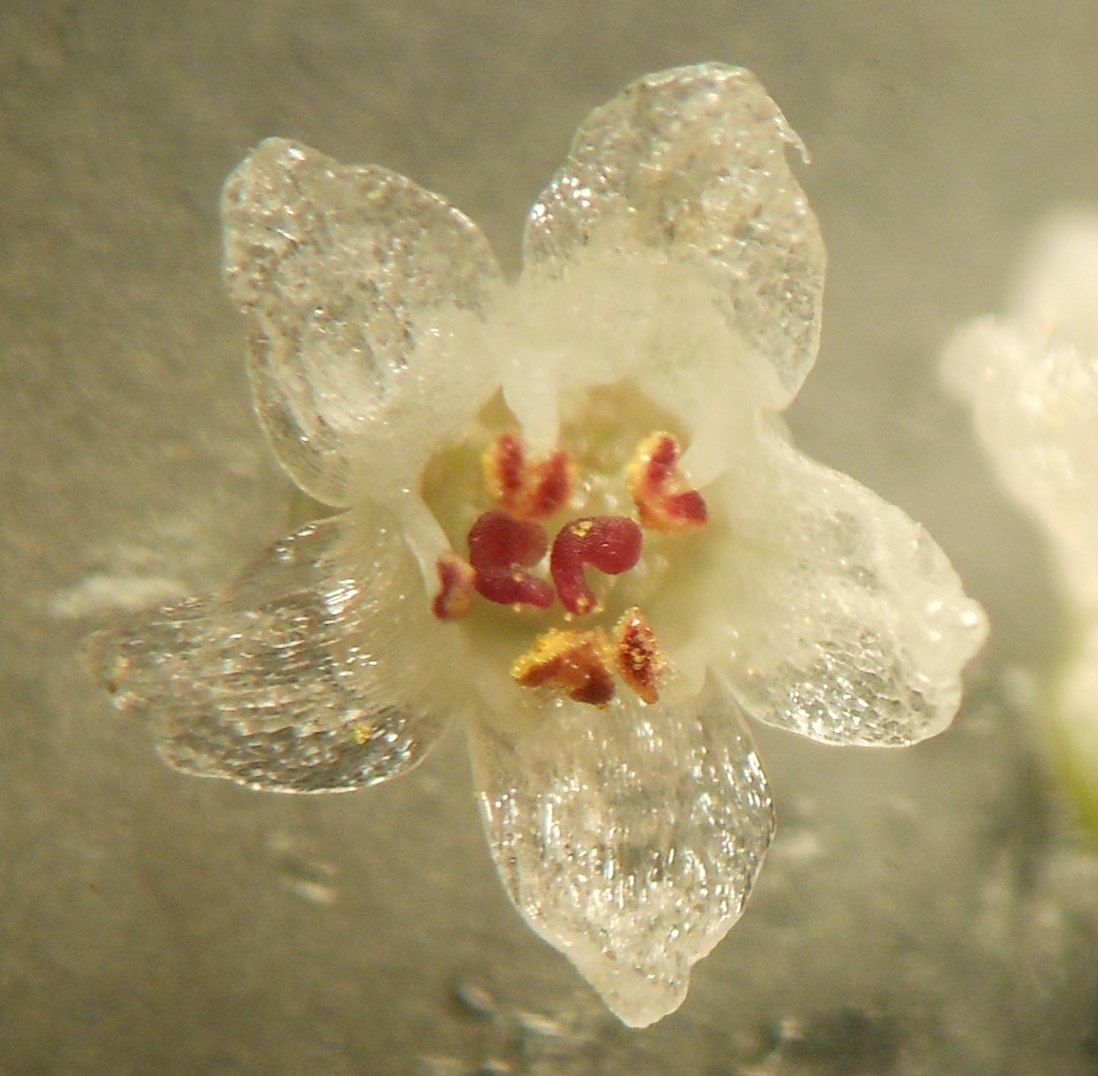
point(664, 501)
point(456, 579)
point(572, 663)
point(507, 547)
point(526, 488)
point(638, 658)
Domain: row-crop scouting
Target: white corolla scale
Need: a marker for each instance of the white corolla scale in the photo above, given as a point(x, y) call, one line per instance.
point(566, 511)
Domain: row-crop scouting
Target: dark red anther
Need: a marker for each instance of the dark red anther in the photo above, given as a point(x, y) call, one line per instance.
point(552, 485)
point(678, 511)
point(663, 501)
point(612, 544)
point(661, 462)
point(573, 662)
point(500, 548)
point(525, 488)
point(638, 657)
point(457, 578)
point(508, 462)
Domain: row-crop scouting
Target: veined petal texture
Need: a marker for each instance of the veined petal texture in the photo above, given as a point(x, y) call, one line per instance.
point(628, 837)
point(345, 272)
point(300, 677)
point(847, 622)
point(689, 166)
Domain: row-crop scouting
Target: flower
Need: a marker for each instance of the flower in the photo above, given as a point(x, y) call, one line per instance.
point(1031, 380)
point(567, 512)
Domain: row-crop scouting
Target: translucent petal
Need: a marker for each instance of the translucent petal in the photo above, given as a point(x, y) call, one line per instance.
point(1035, 402)
point(345, 272)
point(689, 167)
point(1058, 291)
point(1032, 383)
point(303, 676)
point(628, 837)
point(845, 621)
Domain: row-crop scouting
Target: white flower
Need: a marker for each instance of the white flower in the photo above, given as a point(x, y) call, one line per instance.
point(1031, 379)
point(518, 543)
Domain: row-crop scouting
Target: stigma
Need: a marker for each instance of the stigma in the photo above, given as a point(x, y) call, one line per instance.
point(611, 544)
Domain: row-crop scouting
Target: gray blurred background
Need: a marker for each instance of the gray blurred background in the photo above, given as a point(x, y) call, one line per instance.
point(928, 911)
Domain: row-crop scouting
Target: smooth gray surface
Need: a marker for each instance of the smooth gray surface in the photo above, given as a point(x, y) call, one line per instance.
point(921, 912)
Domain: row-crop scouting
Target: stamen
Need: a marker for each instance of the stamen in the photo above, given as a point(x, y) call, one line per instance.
point(507, 543)
point(575, 663)
point(455, 597)
point(612, 544)
point(500, 547)
point(657, 487)
point(638, 658)
point(522, 488)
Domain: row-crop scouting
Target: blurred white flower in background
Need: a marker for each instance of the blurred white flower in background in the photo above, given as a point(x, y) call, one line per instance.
point(1031, 379)
point(568, 513)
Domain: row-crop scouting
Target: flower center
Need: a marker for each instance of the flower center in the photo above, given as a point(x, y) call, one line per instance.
point(529, 553)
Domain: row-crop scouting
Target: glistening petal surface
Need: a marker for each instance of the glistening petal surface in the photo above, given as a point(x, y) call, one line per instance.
point(847, 622)
point(689, 167)
point(345, 273)
point(628, 837)
point(297, 678)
